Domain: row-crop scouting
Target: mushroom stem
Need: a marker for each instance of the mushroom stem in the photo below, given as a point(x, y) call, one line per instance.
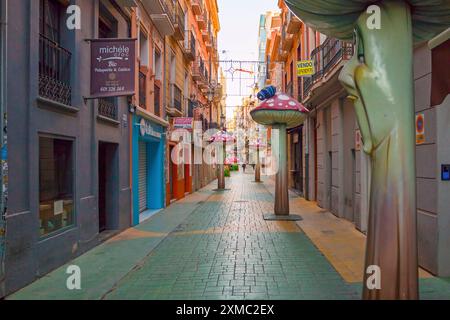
point(258, 167)
point(385, 83)
point(281, 181)
point(220, 168)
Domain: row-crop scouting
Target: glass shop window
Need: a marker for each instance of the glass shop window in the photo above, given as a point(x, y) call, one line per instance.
point(56, 181)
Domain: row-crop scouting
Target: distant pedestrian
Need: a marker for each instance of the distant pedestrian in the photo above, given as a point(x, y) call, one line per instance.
point(243, 167)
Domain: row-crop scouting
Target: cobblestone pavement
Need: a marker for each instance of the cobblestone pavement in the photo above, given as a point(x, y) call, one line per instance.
point(216, 245)
point(225, 250)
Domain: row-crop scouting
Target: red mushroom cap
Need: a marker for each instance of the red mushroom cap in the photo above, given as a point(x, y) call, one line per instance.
point(280, 109)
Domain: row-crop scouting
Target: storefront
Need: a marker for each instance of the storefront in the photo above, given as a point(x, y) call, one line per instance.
point(148, 168)
point(179, 151)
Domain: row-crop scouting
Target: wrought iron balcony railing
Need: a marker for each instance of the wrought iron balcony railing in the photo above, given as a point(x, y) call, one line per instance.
point(142, 90)
point(176, 98)
point(326, 57)
point(199, 71)
point(107, 108)
point(157, 104)
point(189, 46)
point(54, 71)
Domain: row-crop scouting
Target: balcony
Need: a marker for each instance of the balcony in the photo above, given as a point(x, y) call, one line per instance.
point(293, 24)
point(176, 100)
point(287, 40)
point(206, 35)
point(197, 7)
point(202, 21)
point(199, 72)
point(189, 46)
point(154, 6)
point(157, 109)
point(162, 15)
point(178, 23)
point(54, 72)
point(335, 51)
point(191, 106)
point(326, 57)
point(107, 108)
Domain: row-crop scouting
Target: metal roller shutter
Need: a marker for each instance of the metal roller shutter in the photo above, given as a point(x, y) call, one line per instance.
point(142, 176)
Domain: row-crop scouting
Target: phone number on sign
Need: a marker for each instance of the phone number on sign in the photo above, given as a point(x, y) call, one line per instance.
point(112, 89)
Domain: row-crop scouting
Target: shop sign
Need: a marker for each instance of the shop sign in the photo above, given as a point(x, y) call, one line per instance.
point(183, 123)
point(148, 130)
point(305, 68)
point(420, 128)
point(112, 67)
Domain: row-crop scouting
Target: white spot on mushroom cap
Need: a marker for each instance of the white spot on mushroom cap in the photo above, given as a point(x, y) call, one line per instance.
point(271, 105)
point(292, 103)
point(284, 97)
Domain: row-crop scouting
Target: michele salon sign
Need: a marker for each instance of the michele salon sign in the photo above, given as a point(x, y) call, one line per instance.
point(112, 67)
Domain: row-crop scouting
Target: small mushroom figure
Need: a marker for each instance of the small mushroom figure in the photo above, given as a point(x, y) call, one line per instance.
point(281, 112)
point(222, 137)
point(379, 80)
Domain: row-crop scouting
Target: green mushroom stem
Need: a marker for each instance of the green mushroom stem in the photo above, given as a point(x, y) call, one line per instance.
point(382, 72)
point(281, 178)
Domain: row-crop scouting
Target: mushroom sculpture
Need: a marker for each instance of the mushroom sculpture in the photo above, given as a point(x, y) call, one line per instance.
point(258, 145)
point(379, 79)
point(221, 137)
point(281, 112)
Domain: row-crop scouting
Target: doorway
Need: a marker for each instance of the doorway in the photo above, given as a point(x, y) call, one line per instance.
point(171, 175)
point(107, 186)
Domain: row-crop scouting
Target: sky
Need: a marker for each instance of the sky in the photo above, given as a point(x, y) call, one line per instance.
point(238, 40)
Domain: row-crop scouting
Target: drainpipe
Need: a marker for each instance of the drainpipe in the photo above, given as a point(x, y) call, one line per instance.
point(3, 141)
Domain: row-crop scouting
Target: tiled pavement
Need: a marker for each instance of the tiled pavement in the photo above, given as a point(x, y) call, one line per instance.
point(210, 246)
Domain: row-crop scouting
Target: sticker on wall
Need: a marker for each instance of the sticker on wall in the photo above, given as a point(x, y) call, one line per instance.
point(358, 140)
point(420, 128)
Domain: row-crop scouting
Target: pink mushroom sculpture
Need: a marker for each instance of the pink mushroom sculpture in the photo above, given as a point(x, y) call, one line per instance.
point(224, 138)
point(281, 112)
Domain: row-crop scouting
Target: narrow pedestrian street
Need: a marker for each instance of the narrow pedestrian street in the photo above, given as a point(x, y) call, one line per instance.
point(216, 245)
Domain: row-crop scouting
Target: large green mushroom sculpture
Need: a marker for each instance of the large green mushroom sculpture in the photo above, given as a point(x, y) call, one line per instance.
point(281, 112)
point(379, 78)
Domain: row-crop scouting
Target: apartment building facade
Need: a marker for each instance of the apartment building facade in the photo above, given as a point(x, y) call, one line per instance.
point(69, 154)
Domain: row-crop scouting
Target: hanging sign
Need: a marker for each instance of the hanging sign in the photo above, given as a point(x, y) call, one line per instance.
point(420, 128)
point(305, 68)
point(112, 67)
point(183, 123)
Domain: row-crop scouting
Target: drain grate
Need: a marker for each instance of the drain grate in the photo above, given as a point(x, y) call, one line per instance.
point(241, 201)
point(328, 232)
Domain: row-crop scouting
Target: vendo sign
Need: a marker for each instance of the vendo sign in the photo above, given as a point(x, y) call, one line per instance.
point(112, 67)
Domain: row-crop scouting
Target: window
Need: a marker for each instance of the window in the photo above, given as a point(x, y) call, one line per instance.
point(107, 28)
point(158, 65)
point(56, 179)
point(50, 19)
point(144, 45)
point(54, 59)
